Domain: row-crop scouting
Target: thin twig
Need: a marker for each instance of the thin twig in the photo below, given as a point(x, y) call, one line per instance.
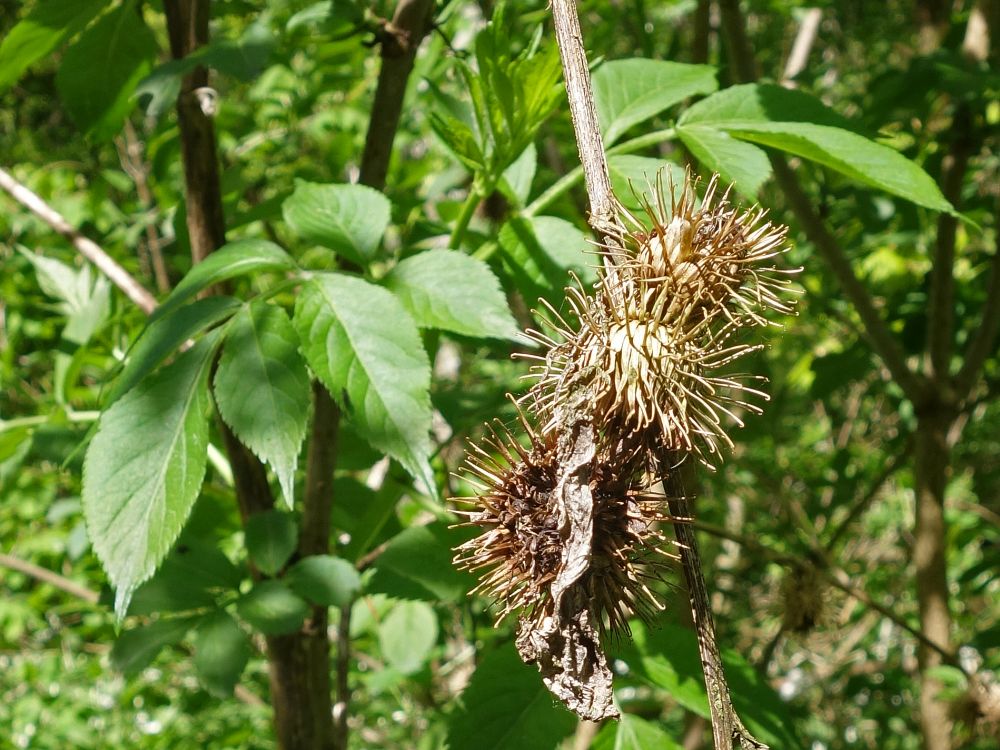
point(804, 40)
point(983, 340)
point(86, 247)
point(47, 576)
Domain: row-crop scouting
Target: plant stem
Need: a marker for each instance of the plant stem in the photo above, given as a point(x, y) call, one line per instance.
point(47, 576)
point(464, 217)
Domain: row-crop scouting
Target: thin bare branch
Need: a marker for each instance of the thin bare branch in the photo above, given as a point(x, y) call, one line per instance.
point(804, 40)
point(86, 247)
point(47, 576)
point(983, 341)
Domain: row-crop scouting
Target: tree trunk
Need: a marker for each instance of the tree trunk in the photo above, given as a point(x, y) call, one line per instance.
point(929, 557)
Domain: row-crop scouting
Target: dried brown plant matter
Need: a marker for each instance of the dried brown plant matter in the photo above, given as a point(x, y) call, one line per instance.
point(640, 369)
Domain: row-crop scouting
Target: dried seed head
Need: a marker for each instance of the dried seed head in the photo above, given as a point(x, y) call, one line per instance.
point(649, 347)
point(521, 548)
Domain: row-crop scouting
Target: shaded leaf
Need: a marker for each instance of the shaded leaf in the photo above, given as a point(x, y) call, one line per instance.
point(761, 102)
point(221, 653)
point(348, 219)
point(507, 707)
point(100, 71)
point(627, 92)
point(144, 469)
point(46, 25)
point(271, 538)
point(189, 578)
point(324, 580)
point(449, 290)
point(273, 608)
point(136, 648)
point(365, 348)
point(262, 389)
point(416, 564)
point(632, 733)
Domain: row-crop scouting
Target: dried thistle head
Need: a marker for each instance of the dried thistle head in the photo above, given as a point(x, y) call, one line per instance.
point(650, 349)
point(522, 546)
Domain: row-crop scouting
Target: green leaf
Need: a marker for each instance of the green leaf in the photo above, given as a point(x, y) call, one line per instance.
point(761, 102)
point(47, 25)
point(407, 635)
point(221, 653)
point(632, 733)
point(273, 608)
point(324, 580)
point(365, 348)
point(262, 389)
point(136, 648)
point(100, 71)
point(743, 164)
point(507, 707)
point(627, 92)
point(416, 564)
point(144, 469)
point(633, 176)
point(850, 154)
point(271, 538)
point(191, 577)
point(449, 290)
point(231, 260)
point(348, 219)
point(164, 335)
point(516, 180)
point(539, 253)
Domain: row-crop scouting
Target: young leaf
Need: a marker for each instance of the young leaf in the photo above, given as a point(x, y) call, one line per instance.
point(273, 609)
point(324, 580)
point(348, 219)
point(262, 389)
point(366, 350)
point(47, 25)
point(136, 648)
point(449, 290)
point(271, 538)
point(407, 635)
point(165, 335)
point(232, 260)
point(100, 71)
point(738, 162)
point(221, 653)
point(507, 707)
point(144, 469)
point(632, 733)
point(627, 92)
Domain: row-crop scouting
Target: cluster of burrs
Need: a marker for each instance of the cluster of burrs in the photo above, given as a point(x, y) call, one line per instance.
point(629, 378)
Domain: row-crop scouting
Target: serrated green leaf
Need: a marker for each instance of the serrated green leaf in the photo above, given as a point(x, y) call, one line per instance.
point(46, 25)
point(191, 577)
point(165, 335)
point(449, 290)
point(273, 608)
point(737, 162)
point(632, 733)
point(539, 252)
point(324, 580)
point(271, 538)
point(136, 648)
point(850, 154)
point(144, 469)
point(407, 635)
point(364, 347)
point(221, 653)
point(416, 564)
point(262, 389)
point(348, 219)
point(516, 180)
point(627, 92)
point(100, 71)
point(229, 261)
point(507, 707)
